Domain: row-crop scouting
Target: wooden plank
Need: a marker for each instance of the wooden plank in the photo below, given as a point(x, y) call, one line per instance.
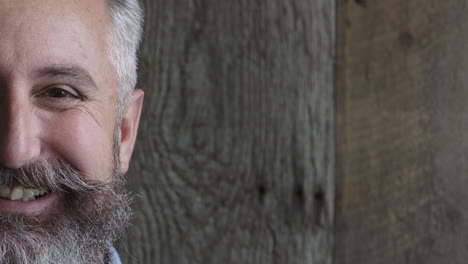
point(402, 145)
point(235, 159)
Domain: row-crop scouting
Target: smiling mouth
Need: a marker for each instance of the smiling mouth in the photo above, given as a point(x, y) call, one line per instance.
point(20, 193)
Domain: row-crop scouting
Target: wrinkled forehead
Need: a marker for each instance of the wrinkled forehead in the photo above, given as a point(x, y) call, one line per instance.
point(35, 33)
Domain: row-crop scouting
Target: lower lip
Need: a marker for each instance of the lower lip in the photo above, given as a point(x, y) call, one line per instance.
point(32, 208)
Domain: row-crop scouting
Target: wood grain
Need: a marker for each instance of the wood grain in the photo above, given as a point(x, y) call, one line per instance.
point(235, 157)
point(402, 146)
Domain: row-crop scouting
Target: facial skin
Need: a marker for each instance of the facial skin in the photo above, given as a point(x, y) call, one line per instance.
point(53, 116)
point(58, 95)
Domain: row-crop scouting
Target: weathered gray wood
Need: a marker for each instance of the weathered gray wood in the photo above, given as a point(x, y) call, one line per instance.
point(402, 141)
point(235, 157)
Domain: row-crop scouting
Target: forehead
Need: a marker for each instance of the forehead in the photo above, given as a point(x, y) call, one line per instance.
point(36, 34)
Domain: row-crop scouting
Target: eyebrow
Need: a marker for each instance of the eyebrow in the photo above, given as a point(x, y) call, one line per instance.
point(72, 73)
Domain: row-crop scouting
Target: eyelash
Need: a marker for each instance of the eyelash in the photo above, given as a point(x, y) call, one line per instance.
point(58, 97)
point(65, 94)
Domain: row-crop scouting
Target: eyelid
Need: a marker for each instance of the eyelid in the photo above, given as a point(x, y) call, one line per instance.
point(65, 88)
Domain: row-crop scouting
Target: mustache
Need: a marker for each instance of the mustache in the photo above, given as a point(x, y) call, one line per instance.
point(50, 176)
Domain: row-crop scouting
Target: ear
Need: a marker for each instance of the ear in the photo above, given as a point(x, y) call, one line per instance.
point(129, 128)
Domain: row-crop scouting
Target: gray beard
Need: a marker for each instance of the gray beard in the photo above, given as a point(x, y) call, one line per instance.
point(92, 217)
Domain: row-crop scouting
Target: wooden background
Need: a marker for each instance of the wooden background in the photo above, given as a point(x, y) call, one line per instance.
point(235, 157)
point(245, 111)
point(402, 141)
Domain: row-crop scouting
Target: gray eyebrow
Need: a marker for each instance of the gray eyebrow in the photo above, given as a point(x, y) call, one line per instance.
point(73, 73)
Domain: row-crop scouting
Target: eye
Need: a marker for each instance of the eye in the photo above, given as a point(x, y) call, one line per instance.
point(57, 97)
point(56, 92)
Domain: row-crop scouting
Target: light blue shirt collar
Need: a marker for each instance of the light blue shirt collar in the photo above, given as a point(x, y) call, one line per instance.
point(114, 256)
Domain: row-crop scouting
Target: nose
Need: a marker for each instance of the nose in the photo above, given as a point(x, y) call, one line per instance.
point(18, 142)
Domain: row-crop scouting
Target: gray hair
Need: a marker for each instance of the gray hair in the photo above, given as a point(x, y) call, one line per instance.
point(123, 41)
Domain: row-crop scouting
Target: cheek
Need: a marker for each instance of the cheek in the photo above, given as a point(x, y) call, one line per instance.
point(79, 140)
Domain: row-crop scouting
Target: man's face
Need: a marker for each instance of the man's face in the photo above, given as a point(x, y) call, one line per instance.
point(58, 101)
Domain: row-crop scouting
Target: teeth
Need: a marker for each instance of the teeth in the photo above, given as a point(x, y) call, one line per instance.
point(19, 193)
point(28, 193)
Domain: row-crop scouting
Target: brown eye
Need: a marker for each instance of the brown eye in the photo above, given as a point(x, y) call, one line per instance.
point(57, 98)
point(59, 93)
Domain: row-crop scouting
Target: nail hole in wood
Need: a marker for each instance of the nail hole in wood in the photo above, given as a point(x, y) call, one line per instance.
point(319, 198)
point(299, 194)
point(319, 202)
point(261, 189)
